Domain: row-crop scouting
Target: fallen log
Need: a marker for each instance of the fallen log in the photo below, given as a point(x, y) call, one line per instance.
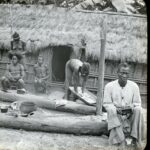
point(43, 102)
point(87, 125)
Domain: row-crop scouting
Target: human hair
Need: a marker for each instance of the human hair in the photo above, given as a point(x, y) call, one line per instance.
point(85, 69)
point(10, 56)
point(122, 65)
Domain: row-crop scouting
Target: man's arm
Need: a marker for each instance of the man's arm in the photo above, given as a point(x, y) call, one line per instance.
point(47, 73)
point(22, 74)
point(25, 51)
point(84, 83)
point(35, 73)
point(8, 73)
point(107, 100)
point(136, 96)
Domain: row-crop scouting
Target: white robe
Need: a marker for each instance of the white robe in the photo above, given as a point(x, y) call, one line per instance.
point(115, 95)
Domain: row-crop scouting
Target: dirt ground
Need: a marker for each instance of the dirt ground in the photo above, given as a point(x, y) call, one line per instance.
point(11, 139)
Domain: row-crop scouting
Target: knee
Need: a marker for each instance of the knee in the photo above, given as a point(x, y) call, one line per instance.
point(111, 109)
point(4, 79)
point(21, 81)
point(137, 109)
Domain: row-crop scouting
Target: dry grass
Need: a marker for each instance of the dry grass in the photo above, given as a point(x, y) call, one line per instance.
point(126, 35)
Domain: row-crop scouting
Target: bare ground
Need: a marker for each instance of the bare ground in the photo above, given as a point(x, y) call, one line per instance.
point(11, 139)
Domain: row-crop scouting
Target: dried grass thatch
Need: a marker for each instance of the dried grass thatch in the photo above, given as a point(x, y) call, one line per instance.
point(41, 26)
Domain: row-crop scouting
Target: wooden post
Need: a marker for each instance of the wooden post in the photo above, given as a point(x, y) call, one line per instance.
point(101, 70)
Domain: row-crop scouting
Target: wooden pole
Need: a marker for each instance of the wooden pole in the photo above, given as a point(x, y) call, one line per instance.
point(101, 70)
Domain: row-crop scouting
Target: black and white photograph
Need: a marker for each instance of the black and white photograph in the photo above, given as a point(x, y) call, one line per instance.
point(73, 74)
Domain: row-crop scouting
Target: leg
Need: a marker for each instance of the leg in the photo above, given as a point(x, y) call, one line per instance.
point(68, 79)
point(5, 84)
point(20, 84)
point(137, 125)
point(115, 126)
point(23, 62)
point(36, 85)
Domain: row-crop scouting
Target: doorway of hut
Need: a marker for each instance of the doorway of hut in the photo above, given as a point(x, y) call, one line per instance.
point(61, 54)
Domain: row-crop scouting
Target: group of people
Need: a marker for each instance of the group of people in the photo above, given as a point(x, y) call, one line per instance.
point(16, 70)
point(121, 99)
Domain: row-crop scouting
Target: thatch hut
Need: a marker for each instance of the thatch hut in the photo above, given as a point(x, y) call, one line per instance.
point(56, 34)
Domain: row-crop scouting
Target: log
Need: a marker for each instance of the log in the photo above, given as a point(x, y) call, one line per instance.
point(87, 125)
point(43, 102)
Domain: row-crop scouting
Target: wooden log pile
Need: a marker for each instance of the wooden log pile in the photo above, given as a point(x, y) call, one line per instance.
point(87, 125)
point(43, 102)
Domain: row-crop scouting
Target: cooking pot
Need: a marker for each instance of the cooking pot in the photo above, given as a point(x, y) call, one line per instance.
point(4, 109)
point(27, 107)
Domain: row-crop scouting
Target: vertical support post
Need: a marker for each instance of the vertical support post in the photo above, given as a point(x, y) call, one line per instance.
point(11, 26)
point(101, 70)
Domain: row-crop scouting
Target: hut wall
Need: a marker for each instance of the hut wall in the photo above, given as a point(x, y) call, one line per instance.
point(138, 73)
point(41, 26)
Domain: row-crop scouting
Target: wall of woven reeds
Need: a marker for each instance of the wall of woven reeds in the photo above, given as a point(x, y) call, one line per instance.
point(138, 73)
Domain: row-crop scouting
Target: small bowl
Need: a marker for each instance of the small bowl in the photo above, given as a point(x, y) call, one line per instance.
point(27, 107)
point(4, 109)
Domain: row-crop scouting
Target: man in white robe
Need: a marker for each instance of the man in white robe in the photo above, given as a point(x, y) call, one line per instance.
point(119, 95)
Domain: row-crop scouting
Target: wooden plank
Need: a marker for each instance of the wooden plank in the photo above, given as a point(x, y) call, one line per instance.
point(44, 102)
point(87, 97)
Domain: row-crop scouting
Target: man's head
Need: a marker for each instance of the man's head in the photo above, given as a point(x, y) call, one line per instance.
point(123, 73)
point(15, 58)
point(40, 60)
point(85, 69)
point(16, 36)
point(83, 42)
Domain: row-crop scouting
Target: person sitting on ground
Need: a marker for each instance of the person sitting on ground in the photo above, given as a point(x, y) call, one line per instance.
point(19, 47)
point(41, 75)
point(75, 69)
point(122, 102)
point(14, 74)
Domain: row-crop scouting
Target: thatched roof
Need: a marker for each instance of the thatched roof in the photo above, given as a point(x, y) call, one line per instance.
point(126, 34)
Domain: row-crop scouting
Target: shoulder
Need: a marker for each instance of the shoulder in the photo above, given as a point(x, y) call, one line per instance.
point(22, 42)
point(35, 67)
point(111, 84)
point(21, 66)
point(133, 84)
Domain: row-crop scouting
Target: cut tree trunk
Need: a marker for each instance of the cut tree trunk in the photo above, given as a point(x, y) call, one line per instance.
point(87, 125)
point(43, 102)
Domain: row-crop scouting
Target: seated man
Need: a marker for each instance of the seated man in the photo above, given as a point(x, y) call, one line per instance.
point(41, 75)
point(14, 74)
point(73, 71)
point(122, 102)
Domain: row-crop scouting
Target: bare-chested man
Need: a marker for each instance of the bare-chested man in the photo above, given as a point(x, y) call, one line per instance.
point(19, 47)
point(73, 71)
point(41, 75)
point(14, 74)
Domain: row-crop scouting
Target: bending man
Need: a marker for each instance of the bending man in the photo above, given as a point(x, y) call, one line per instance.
point(73, 71)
